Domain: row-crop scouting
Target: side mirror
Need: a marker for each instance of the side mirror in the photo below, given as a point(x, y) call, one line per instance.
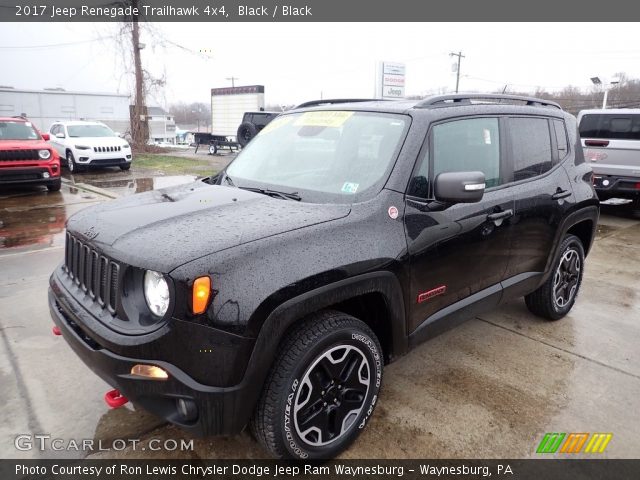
point(46, 137)
point(60, 135)
point(459, 187)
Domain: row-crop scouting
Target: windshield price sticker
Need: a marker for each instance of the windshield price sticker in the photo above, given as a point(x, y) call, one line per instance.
point(275, 124)
point(323, 119)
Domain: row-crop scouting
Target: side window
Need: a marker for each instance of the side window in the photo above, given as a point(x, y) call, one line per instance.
point(561, 138)
point(530, 147)
point(468, 145)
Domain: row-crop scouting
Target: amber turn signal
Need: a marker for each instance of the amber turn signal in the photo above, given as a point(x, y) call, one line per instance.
point(201, 293)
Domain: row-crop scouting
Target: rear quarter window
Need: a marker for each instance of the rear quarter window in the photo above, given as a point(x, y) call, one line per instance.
point(530, 142)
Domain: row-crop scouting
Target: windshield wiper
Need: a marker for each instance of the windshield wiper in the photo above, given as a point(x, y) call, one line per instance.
point(275, 193)
point(228, 180)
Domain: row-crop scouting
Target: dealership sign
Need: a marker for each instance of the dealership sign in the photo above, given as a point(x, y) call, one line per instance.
point(390, 80)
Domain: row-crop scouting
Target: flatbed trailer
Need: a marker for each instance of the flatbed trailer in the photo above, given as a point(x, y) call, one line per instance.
point(215, 142)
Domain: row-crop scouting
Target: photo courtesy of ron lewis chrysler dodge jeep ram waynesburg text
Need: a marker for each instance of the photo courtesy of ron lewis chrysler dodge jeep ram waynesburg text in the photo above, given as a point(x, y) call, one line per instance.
point(342, 236)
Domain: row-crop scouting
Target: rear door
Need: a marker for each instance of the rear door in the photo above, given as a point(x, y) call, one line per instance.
point(458, 253)
point(536, 148)
point(611, 143)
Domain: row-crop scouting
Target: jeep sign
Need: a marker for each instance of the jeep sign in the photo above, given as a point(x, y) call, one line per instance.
point(390, 79)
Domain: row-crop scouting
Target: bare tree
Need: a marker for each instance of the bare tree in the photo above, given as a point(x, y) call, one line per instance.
point(139, 125)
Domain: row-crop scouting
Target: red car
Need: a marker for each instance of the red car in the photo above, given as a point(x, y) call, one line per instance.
point(25, 155)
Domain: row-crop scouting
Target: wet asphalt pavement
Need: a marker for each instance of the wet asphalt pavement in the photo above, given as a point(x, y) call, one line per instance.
point(489, 389)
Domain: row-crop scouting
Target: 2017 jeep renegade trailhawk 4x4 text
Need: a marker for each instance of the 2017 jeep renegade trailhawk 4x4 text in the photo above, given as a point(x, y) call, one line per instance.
point(272, 294)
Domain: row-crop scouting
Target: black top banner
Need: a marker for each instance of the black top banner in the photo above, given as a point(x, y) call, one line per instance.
point(316, 10)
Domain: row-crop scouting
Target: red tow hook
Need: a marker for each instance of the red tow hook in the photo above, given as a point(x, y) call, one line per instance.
point(115, 399)
point(56, 331)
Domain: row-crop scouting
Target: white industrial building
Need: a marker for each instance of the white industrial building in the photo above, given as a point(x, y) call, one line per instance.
point(229, 104)
point(162, 126)
point(43, 107)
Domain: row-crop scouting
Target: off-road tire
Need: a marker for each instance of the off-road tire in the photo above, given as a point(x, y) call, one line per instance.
point(542, 302)
point(302, 351)
point(125, 167)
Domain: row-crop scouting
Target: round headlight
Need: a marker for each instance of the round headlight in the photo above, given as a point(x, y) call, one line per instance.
point(44, 154)
point(156, 293)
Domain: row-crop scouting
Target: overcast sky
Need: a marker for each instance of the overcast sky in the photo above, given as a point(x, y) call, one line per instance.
point(298, 62)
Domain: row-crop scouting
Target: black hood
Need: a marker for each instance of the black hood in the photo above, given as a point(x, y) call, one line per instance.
point(166, 228)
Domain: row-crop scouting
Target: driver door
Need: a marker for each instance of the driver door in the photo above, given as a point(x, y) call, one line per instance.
point(458, 252)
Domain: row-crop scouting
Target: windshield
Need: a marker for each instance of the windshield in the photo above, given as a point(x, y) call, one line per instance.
point(90, 131)
point(330, 156)
point(18, 131)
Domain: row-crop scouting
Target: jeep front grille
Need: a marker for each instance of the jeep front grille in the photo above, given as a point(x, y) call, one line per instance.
point(106, 149)
point(17, 155)
point(94, 273)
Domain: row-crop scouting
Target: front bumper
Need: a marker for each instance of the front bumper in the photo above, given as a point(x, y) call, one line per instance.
point(220, 410)
point(29, 175)
point(611, 186)
point(114, 160)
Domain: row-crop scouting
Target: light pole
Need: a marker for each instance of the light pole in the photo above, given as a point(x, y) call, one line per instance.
point(199, 111)
point(607, 87)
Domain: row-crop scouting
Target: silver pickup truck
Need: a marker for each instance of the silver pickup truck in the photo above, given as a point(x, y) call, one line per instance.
point(611, 143)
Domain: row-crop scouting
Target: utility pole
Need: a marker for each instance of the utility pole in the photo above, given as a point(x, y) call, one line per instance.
point(233, 81)
point(139, 128)
point(460, 57)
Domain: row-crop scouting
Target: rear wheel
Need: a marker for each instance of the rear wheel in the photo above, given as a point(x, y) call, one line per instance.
point(556, 296)
point(321, 390)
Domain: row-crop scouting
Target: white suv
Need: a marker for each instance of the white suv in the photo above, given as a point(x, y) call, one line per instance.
point(89, 144)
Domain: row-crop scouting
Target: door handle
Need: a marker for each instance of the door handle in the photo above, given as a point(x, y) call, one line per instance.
point(561, 194)
point(500, 215)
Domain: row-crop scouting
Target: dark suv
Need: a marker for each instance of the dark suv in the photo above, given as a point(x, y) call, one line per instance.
point(344, 235)
point(252, 123)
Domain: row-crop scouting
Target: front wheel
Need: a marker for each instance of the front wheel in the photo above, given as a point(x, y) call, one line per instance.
point(321, 390)
point(71, 163)
point(555, 297)
point(125, 167)
point(55, 186)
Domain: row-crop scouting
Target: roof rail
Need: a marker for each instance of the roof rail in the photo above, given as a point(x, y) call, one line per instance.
point(315, 103)
point(466, 99)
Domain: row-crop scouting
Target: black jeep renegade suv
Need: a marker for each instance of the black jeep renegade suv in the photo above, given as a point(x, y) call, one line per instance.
point(345, 234)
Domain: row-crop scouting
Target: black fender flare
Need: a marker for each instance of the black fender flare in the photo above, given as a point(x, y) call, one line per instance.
point(592, 213)
point(289, 312)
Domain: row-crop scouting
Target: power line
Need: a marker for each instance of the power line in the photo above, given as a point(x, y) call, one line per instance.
point(55, 45)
